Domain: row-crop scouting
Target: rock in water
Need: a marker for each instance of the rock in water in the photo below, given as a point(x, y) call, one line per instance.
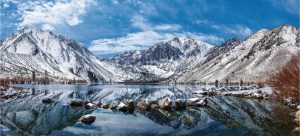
point(113, 105)
point(76, 103)
point(87, 119)
point(165, 103)
point(47, 100)
point(180, 104)
point(130, 105)
point(122, 107)
point(90, 106)
point(197, 101)
point(105, 105)
point(154, 106)
point(97, 103)
point(142, 105)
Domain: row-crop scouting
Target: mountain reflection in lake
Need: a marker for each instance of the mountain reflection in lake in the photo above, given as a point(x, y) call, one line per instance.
point(222, 116)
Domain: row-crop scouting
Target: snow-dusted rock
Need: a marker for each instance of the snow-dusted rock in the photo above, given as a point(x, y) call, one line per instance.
point(142, 105)
point(90, 105)
point(165, 103)
point(197, 101)
point(122, 107)
point(87, 119)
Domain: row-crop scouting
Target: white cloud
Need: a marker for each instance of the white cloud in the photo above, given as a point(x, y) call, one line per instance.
point(51, 14)
point(291, 6)
point(142, 40)
point(168, 27)
point(142, 23)
point(237, 29)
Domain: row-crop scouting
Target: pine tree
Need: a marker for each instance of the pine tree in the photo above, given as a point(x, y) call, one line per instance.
point(217, 83)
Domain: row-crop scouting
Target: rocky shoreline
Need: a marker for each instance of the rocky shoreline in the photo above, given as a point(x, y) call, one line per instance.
point(162, 110)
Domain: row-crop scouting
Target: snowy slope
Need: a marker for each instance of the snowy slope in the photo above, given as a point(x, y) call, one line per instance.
point(260, 55)
point(42, 51)
point(160, 61)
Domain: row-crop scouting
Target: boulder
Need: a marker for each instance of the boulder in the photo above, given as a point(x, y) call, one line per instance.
point(154, 106)
point(97, 103)
point(297, 115)
point(113, 105)
point(266, 96)
point(105, 105)
point(131, 106)
point(259, 92)
point(197, 102)
point(90, 106)
point(165, 103)
point(122, 107)
point(47, 101)
point(180, 104)
point(202, 102)
point(142, 105)
point(87, 119)
point(76, 103)
point(257, 96)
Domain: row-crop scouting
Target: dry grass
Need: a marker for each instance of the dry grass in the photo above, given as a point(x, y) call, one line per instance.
point(286, 82)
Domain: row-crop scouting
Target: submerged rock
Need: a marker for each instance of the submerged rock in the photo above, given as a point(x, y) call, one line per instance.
point(47, 100)
point(87, 119)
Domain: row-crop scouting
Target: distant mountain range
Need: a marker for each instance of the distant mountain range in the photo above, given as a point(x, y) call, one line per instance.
point(181, 59)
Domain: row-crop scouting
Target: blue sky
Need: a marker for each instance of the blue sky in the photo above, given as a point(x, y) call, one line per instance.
point(109, 27)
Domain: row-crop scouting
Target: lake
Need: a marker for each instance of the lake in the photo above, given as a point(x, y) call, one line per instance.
point(224, 115)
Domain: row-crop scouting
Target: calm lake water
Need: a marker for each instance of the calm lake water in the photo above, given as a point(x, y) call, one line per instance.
point(222, 116)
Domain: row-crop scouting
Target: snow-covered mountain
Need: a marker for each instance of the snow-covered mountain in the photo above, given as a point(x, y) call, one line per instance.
point(255, 59)
point(162, 60)
point(181, 59)
point(44, 52)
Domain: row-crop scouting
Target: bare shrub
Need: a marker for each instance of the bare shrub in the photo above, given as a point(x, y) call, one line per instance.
point(286, 82)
